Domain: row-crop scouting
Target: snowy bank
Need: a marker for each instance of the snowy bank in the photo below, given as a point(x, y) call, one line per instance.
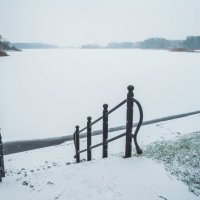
point(2, 53)
point(112, 178)
point(50, 173)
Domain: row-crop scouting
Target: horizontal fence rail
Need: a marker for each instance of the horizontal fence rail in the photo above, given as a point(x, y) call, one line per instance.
point(130, 101)
point(99, 144)
point(100, 118)
point(11, 147)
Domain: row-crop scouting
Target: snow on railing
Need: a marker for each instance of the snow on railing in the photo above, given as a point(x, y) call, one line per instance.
point(129, 124)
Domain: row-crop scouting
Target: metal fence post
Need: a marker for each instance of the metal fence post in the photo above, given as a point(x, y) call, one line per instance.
point(129, 121)
point(0, 159)
point(77, 142)
point(2, 169)
point(105, 130)
point(89, 139)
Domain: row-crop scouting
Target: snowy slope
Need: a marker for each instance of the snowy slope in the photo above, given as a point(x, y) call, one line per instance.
point(113, 178)
point(50, 173)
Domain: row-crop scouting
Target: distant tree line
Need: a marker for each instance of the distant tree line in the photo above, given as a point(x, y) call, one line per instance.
point(190, 43)
point(159, 43)
point(91, 46)
point(123, 45)
point(34, 46)
point(6, 45)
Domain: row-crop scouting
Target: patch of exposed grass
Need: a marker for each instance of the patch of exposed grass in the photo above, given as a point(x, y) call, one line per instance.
point(181, 158)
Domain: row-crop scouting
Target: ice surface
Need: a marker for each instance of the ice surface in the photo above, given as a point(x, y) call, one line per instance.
point(45, 93)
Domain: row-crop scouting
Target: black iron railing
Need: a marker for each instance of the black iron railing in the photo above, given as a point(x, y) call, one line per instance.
point(130, 101)
point(2, 169)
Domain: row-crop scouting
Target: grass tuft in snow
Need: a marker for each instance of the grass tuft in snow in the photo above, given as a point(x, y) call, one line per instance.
point(181, 158)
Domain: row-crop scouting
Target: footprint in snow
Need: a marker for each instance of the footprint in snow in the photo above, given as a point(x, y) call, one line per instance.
point(68, 163)
point(25, 183)
point(57, 197)
point(162, 197)
point(50, 183)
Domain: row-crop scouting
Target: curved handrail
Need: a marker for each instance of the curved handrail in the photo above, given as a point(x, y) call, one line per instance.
point(134, 136)
point(129, 124)
point(138, 149)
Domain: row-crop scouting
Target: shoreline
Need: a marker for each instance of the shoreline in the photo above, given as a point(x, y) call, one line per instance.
point(3, 53)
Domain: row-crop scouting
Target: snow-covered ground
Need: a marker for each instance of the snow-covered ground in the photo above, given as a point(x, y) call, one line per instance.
point(50, 173)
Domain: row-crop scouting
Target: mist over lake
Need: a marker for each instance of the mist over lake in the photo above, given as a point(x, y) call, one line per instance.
point(45, 93)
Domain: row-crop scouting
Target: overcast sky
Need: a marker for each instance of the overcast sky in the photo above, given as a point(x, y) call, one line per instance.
point(75, 22)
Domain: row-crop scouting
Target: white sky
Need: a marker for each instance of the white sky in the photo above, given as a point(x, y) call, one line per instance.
point(75, 22)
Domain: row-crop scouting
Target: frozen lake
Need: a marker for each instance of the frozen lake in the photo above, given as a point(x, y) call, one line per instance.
point(45, 93)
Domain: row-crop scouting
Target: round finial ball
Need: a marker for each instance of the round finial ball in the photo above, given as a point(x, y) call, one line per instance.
point(130, 88)
point(89, 118)
point(77, 127)
point(105, 106)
